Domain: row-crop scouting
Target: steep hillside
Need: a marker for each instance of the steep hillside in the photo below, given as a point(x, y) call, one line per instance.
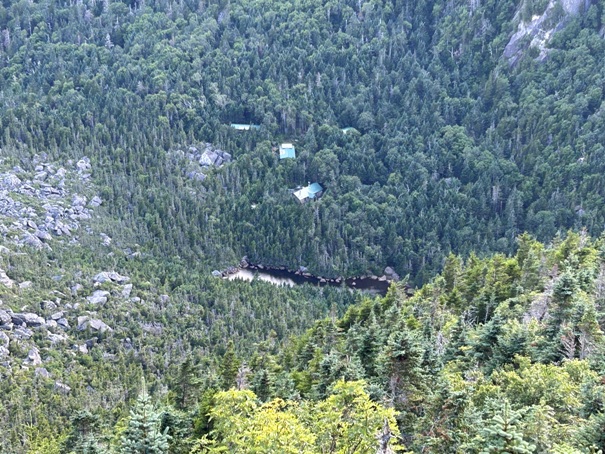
point(455, 149)
point(432, 127)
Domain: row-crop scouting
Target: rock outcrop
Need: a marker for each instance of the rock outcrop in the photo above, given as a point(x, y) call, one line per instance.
point(538, 31)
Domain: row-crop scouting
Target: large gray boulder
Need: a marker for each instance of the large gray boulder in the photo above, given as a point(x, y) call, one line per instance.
point(29, 319)
point(83, 321)
point(22, 333)
point(116, 277)
point(209, 158)
point(98, 297)
point(99, 325)
point(5, 317)
point(43, 235)
point(107, 276)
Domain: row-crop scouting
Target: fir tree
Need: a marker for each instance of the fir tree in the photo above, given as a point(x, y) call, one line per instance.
point(229, 367)
point(143, 434)
point(503, 434)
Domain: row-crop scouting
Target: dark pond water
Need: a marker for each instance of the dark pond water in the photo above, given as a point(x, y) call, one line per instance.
point(283, 277)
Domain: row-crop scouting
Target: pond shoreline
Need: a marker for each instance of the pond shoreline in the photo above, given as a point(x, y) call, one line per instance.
point(283, 276)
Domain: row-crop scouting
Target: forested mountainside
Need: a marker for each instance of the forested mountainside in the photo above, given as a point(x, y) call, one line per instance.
point(440, 132)
point(455, 148)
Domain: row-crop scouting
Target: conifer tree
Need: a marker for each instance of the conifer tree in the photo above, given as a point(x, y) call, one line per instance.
point(229, 367)
point(503, 435)
point(143, 434)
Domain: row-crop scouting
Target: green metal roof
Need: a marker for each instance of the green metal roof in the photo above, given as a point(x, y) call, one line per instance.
point(286, 151)
point(243, 127)
point(313, 189)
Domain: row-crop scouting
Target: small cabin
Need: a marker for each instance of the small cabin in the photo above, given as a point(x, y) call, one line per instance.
point(242, 127)
point(311, 192)
point(286, 151)
point(348, 130)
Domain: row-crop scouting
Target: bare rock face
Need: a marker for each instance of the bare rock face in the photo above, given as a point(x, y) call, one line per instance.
point(538, 31)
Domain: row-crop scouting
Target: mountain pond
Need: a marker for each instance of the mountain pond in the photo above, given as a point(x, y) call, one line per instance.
point(290, 279)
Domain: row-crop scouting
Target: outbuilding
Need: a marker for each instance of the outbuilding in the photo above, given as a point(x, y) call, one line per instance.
point(242, 127)
point(311, 192)
point(287, 151)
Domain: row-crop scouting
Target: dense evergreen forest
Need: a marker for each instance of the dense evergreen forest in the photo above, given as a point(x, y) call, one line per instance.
point(453, 148)
point(472, 164)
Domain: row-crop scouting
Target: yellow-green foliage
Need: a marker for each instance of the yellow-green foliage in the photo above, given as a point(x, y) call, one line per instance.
point(559, 387)
point(346, 422)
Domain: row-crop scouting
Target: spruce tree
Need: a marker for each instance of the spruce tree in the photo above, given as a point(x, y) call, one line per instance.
point(503, 435)
point(143, 434)
point(229, 366)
